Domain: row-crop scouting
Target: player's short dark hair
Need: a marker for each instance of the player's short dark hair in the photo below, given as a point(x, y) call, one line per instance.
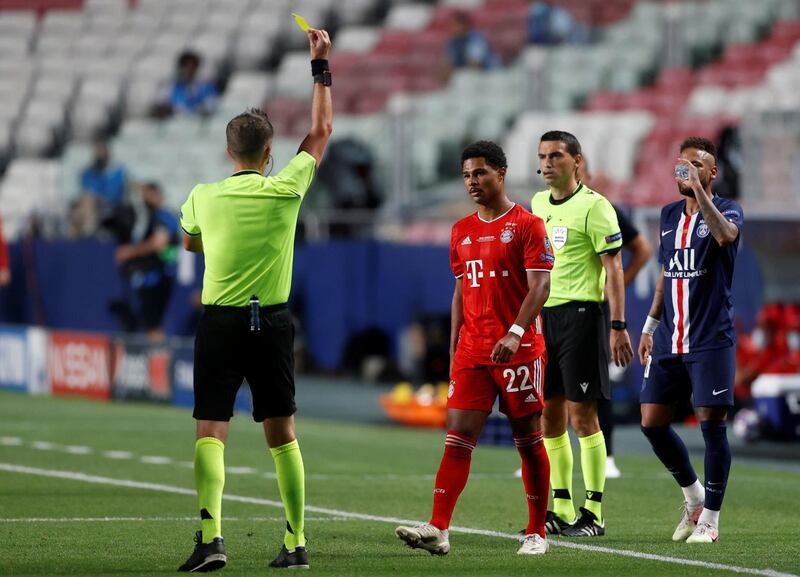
point(700, 143)
point(489, 151)
point(248, 134)
point(569, 140)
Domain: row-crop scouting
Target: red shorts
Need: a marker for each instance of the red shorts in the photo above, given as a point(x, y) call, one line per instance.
point(475, 386)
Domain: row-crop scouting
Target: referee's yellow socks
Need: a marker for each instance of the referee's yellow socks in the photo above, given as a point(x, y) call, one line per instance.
point(209, 476)
point(559, 451)
point(593, 465)
point(291, 482)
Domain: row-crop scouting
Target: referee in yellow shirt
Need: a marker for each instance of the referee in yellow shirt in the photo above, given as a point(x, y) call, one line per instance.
point(586, 240)
point(245, 226)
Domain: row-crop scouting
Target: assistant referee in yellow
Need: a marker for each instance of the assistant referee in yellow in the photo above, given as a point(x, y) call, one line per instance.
point(586, 239)
point(245, 226)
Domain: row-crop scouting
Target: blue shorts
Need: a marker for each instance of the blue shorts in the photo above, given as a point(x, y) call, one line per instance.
point(708, 375)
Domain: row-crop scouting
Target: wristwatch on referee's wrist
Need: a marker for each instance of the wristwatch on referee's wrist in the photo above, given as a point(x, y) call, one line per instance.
point(619, 325)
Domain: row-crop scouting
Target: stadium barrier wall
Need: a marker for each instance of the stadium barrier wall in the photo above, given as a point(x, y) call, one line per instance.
point(141, 371)
point(99, 366)
point(340, 288)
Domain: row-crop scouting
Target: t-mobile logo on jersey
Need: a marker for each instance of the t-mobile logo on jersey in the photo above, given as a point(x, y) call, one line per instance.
point(474, 271)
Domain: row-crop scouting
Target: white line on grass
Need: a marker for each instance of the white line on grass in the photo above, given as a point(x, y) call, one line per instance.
point(148, 519)
point(118, 454)
point(155, 460)
point(75, 476)
point(43, 445)
point(240, 470)
point(389, 476)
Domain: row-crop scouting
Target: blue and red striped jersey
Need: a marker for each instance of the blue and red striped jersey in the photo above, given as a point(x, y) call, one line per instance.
point(698, 273)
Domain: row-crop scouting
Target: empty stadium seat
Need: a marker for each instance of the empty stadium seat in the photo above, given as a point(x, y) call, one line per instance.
point(248, 89)
point(408, 17)
point(357, 39)
point(611, 155)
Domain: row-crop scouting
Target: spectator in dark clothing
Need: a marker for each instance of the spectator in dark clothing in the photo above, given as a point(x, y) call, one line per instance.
point(638, 251)
point(467, 47)
point(550, 24)
point(347, 173)
point(149, 265)
point(729, 163)
point(190, 94)
point(103, 205)
point(107, 181)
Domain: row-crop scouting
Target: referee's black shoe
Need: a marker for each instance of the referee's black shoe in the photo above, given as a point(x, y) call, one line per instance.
point(206, 556)
point(297, 558)
point(585, 526)
point(554, 525)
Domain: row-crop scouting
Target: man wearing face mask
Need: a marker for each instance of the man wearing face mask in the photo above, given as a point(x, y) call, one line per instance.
point(104, 187)
point(107, 181)
point(150, 263)
point(688, 341)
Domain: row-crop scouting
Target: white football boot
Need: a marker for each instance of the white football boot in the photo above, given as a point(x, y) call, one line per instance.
point(533, 545)
point(425, 536)
point(688, 522)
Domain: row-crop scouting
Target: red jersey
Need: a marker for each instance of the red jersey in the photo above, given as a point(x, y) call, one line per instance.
point(492, 258)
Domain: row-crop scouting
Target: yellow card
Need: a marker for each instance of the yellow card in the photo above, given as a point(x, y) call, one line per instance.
point(301, 22)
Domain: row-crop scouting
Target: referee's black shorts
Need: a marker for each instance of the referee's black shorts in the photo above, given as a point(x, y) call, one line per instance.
point(226, 351)
point(575, 335)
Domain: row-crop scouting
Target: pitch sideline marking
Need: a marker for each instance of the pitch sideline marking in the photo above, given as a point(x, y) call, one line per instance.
point(147, 519)
point(11, 468)
point(243, 470)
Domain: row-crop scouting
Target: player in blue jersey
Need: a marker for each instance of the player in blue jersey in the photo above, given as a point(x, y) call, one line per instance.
point(688, 340)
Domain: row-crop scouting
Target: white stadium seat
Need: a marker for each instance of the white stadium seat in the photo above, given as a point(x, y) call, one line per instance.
point(409, 16)
point(357, 39)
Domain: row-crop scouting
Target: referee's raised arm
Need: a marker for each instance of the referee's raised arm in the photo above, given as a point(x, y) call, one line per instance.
point(321, 108)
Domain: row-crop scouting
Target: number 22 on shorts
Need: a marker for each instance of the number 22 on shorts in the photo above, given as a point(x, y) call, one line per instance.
point(522, 375)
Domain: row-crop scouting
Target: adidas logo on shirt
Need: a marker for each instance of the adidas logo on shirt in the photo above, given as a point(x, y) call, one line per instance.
point(530, 398)
point(466, 241)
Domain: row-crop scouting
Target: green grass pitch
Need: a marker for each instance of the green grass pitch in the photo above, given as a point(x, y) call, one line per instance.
point(123, 503)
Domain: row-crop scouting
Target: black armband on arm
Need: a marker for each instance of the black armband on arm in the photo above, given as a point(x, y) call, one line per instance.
point(318, 66)
point(321, 73)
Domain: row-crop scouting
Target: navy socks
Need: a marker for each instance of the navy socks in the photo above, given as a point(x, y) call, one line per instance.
point(717, 463)
point(671, 450)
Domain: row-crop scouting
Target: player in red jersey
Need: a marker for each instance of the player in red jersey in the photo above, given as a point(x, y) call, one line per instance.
point(501, 259)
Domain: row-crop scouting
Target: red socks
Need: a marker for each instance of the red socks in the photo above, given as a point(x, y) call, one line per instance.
point(536, 478)
point(454, 471)
point(452, 477)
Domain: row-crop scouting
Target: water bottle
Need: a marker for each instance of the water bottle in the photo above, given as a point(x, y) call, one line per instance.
point(682, 171)
point(255, 318)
